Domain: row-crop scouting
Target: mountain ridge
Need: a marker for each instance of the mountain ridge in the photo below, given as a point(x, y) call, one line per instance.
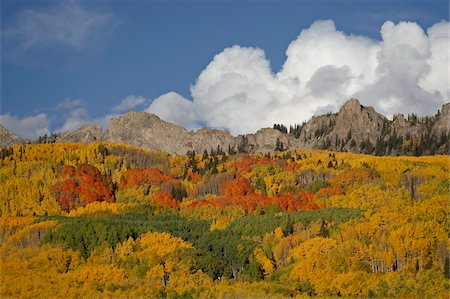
point(354, 128)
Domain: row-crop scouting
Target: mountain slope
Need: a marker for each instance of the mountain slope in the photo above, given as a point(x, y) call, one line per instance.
point(7, 138)
point(360, 129)
point(354, 128)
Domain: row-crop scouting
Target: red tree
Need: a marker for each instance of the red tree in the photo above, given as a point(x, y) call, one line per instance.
point(82, 185)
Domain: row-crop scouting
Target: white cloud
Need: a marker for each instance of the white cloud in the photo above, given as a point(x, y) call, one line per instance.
point(76, 118)
point(407, 71)
point(173, 108)
point(69, 104)
point(130, 102)
point(437, 80)
point(79, 116)
point(29, 127)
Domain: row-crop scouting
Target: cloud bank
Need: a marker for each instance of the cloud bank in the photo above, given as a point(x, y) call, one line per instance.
point(130, 102)
point(407, 71)
point(28, 127)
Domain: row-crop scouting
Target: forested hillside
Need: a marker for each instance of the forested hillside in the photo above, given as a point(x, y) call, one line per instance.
point(112, 220)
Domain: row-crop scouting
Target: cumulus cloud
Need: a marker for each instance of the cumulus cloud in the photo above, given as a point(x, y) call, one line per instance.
point(79, 116)
point(407, 71)
point(75, 119)
point(29, 127)
point(173, 108)
point(130, 102)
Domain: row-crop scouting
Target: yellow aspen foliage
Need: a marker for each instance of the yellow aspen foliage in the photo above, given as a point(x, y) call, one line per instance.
point(155, 277)
point(160, 244)
point(10, 224)
point(221, 223)
point(103, 254)
point(31, 235)
point(278, 232)
point(183, 281)
point(98, 206)
point(259, 289)
point(265, 262)
point(312, 263)
point(126, 249)
point(281, 251)
point(177, 165)
point(93, 281)
point(34, 272)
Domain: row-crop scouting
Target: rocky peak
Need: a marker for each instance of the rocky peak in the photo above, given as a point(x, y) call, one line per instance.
point(363, 122)
point(85, 133)
point(265, 139)
point(355, 128)
point(352, 105)
point(7, 138)
point(148, 131)
point(442, 124)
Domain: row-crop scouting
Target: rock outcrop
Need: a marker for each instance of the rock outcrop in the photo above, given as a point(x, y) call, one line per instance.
point(7, 138)
point(358, 128)
point(354, 128)
point(149, 131)
point(362, 122)
point(442, 123)
point(85, 134)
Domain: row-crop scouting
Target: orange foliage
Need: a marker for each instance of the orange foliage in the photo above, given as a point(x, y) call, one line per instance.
point(135, 177)
point(245, 165)
point(165, 199)
point(329, 191)
point(82, 186)
point(296, 202)
point(193, 176)
point(237, 188)
point(239, 192)
point(252, 201)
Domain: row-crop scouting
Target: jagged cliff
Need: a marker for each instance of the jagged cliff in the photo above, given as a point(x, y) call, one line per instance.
point(354, 128)
point(360, 129)
point(8, 138)
point(149, 131)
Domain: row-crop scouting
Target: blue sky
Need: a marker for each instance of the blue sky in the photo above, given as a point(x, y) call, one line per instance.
point(51, 64)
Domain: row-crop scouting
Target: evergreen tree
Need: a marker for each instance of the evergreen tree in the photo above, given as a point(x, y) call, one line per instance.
point(279, 146)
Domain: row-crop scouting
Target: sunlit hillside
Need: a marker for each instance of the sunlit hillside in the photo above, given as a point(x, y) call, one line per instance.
point(110, 220)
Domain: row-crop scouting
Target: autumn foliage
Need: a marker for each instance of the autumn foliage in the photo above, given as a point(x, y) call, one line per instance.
point(329, 191)
point(239, 192)
point(82, 185)
point(136, 177)
point(165, 199)
point(109, 220)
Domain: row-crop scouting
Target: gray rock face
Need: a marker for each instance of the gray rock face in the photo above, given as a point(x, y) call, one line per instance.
point(149, 131)
point(356, 124)
point(442, 123)
point(7, 138)
point(265, 140)
point(210, 140)
point(315, 129)
point(351, 129)
point(85, 134)
point(363, 122)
